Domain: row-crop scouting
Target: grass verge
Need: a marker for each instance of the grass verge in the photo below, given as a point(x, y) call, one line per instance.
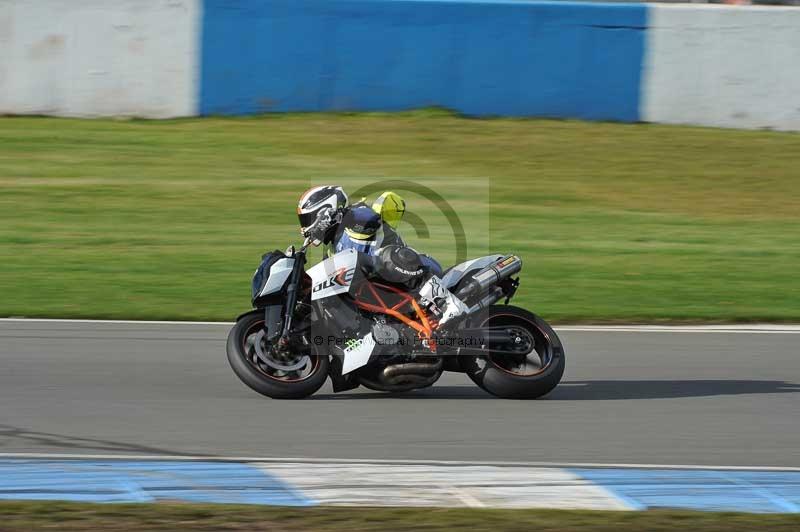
point(168, 219)
point(24, 516)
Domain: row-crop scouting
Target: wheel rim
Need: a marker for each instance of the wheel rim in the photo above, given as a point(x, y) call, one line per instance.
point(526, 364)
point(282, 367)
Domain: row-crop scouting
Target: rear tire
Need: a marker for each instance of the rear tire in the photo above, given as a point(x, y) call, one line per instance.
point(500, 374)
point(249, 369)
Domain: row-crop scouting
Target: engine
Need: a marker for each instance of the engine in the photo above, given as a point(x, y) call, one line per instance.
point(400, 364)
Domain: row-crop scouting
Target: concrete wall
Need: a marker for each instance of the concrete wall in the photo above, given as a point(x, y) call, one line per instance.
point(694, 64)
point(518, 58)
point(723, 66)
point(99, 57)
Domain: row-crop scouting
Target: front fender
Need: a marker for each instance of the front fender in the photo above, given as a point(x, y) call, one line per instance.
point(249, 312)
point(272, 316)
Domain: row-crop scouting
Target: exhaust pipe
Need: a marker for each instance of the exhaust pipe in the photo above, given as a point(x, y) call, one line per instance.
point(412, 368)
point(504, 268)
point(488, 300)
point(411, 375)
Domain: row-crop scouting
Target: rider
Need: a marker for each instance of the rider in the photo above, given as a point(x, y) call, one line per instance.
point(358, 226)
point(326, 218)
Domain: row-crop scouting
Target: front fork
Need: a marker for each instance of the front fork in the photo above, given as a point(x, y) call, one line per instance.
point(291, 295)
point(279, 317)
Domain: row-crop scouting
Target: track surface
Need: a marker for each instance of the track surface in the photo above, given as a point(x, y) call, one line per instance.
point(627, 397)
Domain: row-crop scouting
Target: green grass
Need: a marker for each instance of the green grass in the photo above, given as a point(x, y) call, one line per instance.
point(167, 220)
point(25, 516)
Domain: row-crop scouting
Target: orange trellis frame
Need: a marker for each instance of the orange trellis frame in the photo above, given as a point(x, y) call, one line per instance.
point(423, 325)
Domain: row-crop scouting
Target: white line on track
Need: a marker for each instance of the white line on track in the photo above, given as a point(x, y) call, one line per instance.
point(749, 328)
point(466, 498)
point(73, 456)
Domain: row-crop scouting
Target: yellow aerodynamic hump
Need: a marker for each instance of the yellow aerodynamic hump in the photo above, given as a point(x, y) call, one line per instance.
point(391, 207)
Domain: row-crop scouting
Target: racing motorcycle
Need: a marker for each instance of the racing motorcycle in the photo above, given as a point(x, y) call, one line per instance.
point(382, 323)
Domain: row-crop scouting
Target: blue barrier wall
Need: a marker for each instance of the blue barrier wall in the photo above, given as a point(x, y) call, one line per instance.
point(555, 59)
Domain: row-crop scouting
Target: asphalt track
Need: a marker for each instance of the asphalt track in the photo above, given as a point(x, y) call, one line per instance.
point(658, 397)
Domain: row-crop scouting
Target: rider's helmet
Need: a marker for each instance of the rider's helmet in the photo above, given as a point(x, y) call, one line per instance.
point(360, 226)
point(315, 199)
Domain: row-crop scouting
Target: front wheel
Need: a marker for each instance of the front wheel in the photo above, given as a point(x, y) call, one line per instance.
point(518, 376)
point(291, 374)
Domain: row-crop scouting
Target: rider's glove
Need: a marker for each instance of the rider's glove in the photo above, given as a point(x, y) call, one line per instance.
point(324, 221)
point(316, 232)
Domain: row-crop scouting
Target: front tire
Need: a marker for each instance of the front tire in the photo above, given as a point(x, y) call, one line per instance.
point(519, 376)
point(300, 375)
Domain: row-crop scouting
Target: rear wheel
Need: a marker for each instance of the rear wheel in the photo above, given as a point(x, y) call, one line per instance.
point(527, 375)
point(292, 373)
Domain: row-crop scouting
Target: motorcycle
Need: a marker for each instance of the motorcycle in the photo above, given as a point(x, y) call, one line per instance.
point(343, 319)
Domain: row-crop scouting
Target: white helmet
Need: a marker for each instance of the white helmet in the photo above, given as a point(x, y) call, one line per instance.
point(315, 199)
